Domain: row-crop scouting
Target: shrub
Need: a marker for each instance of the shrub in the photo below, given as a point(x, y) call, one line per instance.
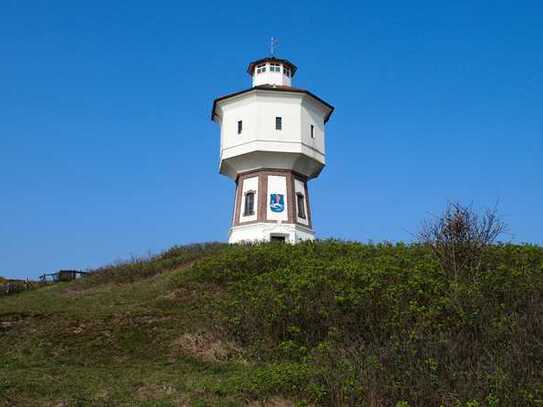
point(380, 324)
point(459, 236)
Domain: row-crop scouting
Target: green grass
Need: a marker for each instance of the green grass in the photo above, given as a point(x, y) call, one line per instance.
point(326, 323)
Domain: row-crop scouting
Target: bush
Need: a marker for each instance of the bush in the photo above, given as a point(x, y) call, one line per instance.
point(381, 324)
point(459, 236)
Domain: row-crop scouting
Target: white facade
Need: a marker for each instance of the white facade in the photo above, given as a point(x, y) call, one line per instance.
point(263, 232)
point(295, 146)
point(272, 142)
point(277, 185)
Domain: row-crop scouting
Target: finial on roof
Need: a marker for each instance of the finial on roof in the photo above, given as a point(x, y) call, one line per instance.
point(273, 44)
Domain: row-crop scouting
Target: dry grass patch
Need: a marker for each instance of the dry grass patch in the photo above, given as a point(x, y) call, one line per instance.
point(273, 402)
point(204, 347)
point(148, 392)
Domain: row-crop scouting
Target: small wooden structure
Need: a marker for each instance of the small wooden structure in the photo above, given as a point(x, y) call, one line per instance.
point(16, 286)
point(63, 275)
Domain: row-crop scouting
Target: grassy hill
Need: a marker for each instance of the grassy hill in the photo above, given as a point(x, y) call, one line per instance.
point(325, 323)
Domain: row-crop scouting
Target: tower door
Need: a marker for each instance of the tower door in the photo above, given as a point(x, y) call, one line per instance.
point(277, 238)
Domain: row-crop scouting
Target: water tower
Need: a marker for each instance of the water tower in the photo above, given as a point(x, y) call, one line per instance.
point(272, 144)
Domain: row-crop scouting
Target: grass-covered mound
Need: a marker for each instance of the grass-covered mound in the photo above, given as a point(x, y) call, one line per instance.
point(324, 323)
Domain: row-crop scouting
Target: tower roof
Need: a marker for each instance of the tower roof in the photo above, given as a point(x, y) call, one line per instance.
point(252, 65)
point(271, 88)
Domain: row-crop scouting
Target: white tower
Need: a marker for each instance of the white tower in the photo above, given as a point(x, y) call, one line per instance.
point(272, 143)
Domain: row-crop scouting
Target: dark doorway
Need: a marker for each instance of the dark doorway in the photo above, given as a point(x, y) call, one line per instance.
point(277, 239)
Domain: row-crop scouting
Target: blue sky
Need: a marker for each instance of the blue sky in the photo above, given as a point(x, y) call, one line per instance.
point(107, 150)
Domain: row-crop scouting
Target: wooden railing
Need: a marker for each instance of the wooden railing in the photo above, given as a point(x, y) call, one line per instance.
point(17, 286)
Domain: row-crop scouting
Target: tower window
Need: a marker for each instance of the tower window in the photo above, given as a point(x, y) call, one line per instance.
point(249, 204)
point(300, 203)
point(278, 123)
point(240, 126)
point(286, 71)
point(312, 131)
point(261, 68)
point(275, 68)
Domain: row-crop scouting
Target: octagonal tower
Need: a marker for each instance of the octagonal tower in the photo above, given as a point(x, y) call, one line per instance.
point(272, 144)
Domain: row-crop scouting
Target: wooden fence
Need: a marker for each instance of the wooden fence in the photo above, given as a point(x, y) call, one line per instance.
point(18, 286)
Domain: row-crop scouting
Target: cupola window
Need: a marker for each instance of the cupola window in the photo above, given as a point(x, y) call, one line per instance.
point(286, 71)
point(249, 204)
point(261, 68)
point(275, 68)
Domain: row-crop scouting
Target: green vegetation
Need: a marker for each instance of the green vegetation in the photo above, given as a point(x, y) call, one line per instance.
point(324, 323)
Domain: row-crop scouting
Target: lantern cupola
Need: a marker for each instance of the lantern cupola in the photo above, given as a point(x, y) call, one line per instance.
point(272, 71)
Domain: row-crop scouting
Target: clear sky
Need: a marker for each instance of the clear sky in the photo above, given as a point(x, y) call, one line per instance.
point(107, 149)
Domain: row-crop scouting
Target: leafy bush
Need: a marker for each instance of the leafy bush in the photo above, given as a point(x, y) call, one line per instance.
point(285, 378)
point(381, 324)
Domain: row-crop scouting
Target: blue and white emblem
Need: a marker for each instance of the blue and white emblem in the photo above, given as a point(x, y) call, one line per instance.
point(277, 202)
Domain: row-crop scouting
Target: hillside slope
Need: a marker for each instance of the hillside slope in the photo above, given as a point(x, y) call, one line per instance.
point(325, 323)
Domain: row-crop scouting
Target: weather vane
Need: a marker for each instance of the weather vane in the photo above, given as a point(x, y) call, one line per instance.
point(273, 45)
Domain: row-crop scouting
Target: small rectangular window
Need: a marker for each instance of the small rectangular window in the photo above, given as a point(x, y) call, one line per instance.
point(286, 71)
point(300, 203)
point(278, 123)
point(249, 204)
point(240, 126)
point(312, 131)
point(261, 68)
point(275, 68)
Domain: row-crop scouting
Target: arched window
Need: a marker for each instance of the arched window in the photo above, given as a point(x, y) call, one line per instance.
point(300, 203)
point(249, 204)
